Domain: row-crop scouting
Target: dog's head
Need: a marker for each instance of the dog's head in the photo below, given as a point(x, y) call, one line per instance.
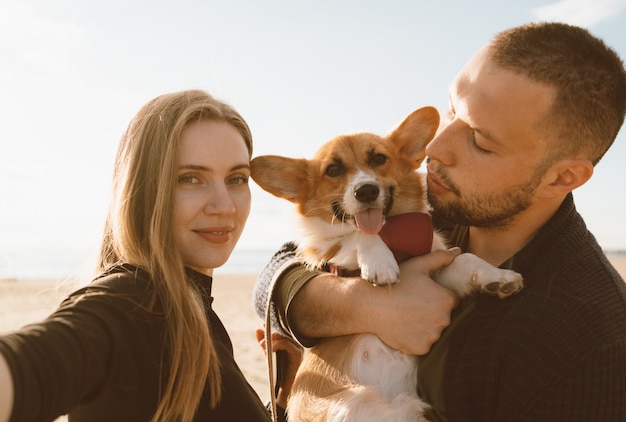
point(357, 179)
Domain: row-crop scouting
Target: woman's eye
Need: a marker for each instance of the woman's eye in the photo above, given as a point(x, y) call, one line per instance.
point(188, 179)
point(238, 180)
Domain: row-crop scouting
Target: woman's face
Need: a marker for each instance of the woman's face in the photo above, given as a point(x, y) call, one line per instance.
point(212, 196)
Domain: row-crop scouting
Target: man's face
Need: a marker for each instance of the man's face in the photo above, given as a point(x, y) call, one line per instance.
point(487, 159)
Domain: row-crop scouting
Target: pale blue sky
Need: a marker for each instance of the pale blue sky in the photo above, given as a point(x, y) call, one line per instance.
point(73, 73)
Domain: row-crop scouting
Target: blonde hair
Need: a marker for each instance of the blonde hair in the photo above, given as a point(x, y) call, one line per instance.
point(138, 231)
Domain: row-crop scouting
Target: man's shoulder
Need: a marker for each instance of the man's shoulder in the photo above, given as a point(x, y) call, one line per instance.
point(579, 301)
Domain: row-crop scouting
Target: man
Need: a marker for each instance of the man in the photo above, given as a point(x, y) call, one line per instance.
point(530, 115)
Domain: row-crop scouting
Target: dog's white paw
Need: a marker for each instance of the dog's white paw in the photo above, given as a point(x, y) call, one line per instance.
point(376, 261)
point(503, 283)
point(381, 275)
point(468, 274)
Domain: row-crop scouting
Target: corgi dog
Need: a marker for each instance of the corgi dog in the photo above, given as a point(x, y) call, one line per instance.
point(346, 196)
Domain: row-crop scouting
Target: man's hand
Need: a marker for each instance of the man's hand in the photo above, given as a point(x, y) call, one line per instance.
point(408, 316)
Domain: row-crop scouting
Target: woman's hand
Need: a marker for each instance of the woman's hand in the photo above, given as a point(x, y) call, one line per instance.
point(6, 390)
point(292, 353)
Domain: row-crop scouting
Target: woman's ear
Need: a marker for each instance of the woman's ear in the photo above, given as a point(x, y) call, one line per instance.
point(566, 175)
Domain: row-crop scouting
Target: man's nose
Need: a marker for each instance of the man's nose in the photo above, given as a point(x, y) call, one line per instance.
point(444, 145)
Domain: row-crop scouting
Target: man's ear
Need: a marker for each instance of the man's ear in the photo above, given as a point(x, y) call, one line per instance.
point(566, 175)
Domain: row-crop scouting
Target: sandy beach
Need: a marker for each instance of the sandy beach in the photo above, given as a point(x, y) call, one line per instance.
point(24, 301)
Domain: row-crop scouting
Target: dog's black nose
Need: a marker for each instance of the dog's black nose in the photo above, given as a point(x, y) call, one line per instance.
point(366, 193)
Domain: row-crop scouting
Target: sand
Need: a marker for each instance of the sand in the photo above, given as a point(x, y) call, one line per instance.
point(27, 301)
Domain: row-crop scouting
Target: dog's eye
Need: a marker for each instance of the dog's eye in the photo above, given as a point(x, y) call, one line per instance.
point(376, 160)
point(335, 170)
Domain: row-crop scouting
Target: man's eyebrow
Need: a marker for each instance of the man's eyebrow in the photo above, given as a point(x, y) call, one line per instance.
point(481, 131)
point(487, 135)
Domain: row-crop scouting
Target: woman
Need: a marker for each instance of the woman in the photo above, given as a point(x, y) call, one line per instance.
point(142, 342)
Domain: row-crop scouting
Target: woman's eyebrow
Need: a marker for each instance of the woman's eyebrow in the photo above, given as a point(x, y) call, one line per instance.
point(193, 167)
point(241, 166)
point(199, 167)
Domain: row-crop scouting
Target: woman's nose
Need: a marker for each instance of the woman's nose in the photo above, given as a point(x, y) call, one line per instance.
point(219, 201)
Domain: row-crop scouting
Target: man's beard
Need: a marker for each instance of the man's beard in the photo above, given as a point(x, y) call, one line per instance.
point(494, 211)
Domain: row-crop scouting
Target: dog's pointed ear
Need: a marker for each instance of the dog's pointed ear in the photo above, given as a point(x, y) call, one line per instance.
point(415, 132)
point(281, 176)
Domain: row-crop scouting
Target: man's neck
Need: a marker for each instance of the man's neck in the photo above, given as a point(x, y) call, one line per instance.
point(496, 246)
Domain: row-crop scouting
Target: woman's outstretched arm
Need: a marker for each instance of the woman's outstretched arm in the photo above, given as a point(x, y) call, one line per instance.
point(6, 390)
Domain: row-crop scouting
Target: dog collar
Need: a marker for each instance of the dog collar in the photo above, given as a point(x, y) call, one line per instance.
point(406, 235)
point(339, 270)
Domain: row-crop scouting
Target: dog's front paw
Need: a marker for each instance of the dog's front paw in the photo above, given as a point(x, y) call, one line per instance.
point(376, 261)
point(381, 276)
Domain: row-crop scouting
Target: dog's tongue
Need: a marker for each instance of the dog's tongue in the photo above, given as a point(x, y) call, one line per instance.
point(370, 221)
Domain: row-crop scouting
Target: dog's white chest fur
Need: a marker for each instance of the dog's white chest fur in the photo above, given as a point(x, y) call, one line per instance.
point(355, 249)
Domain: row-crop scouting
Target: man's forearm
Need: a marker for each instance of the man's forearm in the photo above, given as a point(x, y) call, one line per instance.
point(329, 306)
point(408, 316)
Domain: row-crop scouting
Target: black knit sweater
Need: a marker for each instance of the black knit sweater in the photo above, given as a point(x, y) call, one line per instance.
point(554, 352)
point(99, 357)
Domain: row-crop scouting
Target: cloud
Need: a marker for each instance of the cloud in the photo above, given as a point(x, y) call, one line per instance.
point(30, 37)
point(583, 13)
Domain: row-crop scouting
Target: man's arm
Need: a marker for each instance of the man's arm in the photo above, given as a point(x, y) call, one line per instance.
point(408, 316)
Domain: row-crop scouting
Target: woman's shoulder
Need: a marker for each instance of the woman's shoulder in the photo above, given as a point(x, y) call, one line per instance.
point(123, 281)
point(123, 277)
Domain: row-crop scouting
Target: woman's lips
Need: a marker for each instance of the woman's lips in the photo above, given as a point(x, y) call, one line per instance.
point(215, 234)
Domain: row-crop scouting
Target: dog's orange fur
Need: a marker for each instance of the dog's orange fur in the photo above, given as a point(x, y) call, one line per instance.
point(358, 378)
